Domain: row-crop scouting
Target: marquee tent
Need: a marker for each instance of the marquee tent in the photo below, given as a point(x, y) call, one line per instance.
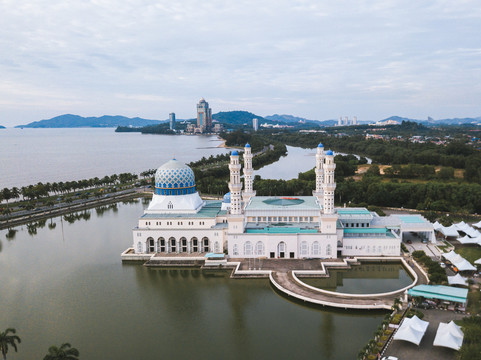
point(450, 231)
point(457, 260)
point(478, 224)
point(478, 262)
point(449, 335)
point(457, 280)
point(412, 330)
point(468, 240)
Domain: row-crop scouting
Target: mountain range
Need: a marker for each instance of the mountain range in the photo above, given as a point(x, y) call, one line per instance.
point(225, 117)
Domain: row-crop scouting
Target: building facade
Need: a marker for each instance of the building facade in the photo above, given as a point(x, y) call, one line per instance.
point(172, 121)
point(244, 225)
point(204, 116)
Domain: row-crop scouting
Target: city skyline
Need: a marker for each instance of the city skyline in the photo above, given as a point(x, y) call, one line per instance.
point(310, 59)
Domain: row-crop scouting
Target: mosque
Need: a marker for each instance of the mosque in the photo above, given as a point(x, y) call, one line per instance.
point(178, 222)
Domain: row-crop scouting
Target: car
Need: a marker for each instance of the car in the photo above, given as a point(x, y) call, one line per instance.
point(443, 265)
point(409, 241)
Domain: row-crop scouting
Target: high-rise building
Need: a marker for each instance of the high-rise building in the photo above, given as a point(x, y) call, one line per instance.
point(255, 124)
point(204, 116)
point(172, 121)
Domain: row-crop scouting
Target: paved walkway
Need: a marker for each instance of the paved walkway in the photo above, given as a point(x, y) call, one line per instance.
point(286, 282)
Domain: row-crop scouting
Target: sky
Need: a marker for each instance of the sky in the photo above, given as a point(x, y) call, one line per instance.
point(314, 59)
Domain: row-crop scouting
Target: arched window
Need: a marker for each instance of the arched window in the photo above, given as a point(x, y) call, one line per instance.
point(315, 248)
point(328, 250)
point(379, 249)
point(259, 248)
point(248, 248)
point(235, 250)
point(205, 244)
point(150, 245)
point(161, 244)
point(170, 205)
point(368, 249)
point(304, 248)
point(195, 244)
point(139, 247)
point(173, 245)
point(183, 244)
point(216, 247)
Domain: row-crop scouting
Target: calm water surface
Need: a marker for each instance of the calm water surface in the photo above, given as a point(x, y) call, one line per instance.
point(69, 285)
point(51, 155)
point(364, 279)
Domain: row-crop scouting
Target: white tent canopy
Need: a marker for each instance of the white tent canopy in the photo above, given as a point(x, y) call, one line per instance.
point(478, 261)
point(450, 231)
point(468, 240)
point(457, 280)
point(478, 224)
point(412, 330)
point(449, 335)
point(437, 226)
point(457, 260)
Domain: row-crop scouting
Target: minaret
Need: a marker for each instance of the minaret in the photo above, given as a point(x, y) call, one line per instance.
point(319, 172)
point(248, 182)
point(329, 185)
point(235, 184)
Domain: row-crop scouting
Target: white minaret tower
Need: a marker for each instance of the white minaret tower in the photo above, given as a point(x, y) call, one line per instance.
point(319, 172)
point(329, 185)
point(248, 181)
point(235, 184)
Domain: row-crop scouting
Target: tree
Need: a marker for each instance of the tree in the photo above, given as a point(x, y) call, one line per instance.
point(6, 340)
point(65, 352)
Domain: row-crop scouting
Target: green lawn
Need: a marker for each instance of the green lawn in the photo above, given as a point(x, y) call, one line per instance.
point(470, 253)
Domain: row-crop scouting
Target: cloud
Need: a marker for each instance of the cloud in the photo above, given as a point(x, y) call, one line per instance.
point(315, 59)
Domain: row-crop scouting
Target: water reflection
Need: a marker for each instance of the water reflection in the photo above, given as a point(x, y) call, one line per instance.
point(101, 209)
point(73, 217)
point(364, 279)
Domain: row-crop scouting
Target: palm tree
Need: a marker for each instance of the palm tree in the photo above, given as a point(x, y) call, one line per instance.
point(65, 352)
point(6, 340)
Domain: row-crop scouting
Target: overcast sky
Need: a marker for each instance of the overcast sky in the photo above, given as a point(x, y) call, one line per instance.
point(315, 59)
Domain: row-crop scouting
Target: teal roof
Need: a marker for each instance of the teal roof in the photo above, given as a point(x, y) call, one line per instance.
point(281, 230)
point(366, 231)
point(288, 202)
point(440, 292)
point(348, 211)
point(412, 219)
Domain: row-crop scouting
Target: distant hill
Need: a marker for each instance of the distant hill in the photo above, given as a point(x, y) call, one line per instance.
point(431, 122)
point(75, 121)
point(237, 117)
point(286, 118)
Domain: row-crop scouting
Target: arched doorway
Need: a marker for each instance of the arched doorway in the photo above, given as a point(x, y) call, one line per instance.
point(195, 244)
point(183, 244)
point(173, 245)
point(150, 245)
point(281, 250)
point(205, 244)
point(161, 244)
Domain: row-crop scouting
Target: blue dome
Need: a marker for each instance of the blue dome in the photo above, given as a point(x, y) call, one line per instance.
point(329, 152)
point(234, 153)
point(247, 145)
point(226, 198)
point(320, 145)
point(174, 178)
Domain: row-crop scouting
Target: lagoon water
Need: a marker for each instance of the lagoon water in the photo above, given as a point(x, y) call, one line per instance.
point(28, 156)
point(68, 284)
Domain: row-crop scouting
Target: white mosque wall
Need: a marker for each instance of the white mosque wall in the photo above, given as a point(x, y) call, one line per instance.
point(371, 246)
point(257, 245)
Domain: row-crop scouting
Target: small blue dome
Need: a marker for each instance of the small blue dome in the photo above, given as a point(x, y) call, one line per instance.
point(320, 145)
point(226, 198)
point(234, 153)
point(329, 152)
point(247, 145)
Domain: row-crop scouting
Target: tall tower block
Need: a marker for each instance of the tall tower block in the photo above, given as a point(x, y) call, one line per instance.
point(329, 185)
point(248, 171)
point(235, 184)
point(319, 172)
point(204, 116)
